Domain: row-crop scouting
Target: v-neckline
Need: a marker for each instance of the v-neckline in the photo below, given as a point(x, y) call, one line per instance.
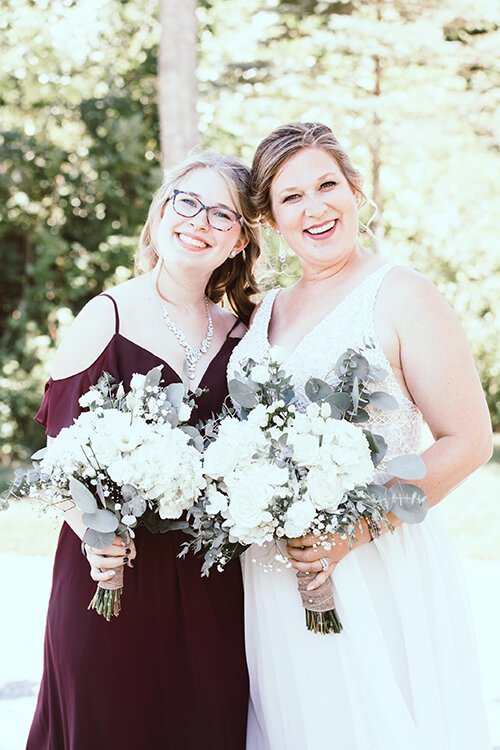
point(320, 322)
point(174, 372)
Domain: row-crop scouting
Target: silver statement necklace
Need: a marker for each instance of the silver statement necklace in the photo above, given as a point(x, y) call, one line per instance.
point(192, 353)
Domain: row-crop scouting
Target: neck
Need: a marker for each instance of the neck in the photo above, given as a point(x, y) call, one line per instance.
point(183, 292)
point(334, 272)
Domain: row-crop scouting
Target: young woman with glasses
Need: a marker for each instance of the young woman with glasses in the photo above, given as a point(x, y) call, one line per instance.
point(170, 671)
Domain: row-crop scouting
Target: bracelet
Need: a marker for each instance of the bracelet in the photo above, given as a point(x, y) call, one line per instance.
point(374, 528)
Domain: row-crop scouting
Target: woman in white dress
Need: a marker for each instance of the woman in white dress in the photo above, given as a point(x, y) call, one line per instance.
point(402, 675)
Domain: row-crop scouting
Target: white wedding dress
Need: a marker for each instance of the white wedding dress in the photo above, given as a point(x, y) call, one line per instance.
point(403, 674)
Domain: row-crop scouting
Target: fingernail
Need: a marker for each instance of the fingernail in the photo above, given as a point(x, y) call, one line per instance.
point(111, 573)
point(123, 544)
point(125, 559)
point(128, 551)
point(132, 562)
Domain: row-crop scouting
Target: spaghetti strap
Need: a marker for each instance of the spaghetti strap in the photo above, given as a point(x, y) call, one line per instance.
point(235, 324)
point(117, 317)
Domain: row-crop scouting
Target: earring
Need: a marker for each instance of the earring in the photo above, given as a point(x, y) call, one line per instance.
point(281, 252)
point(232, 254)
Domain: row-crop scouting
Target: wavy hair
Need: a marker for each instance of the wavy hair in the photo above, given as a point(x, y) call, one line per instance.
point(235, 278)
point(286, 141)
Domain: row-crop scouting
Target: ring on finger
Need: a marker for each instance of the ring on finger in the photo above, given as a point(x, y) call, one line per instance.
point(324, 563)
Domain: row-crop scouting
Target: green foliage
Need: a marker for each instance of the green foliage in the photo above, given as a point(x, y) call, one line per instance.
point(406, 84)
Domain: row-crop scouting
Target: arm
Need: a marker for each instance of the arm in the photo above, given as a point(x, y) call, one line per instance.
point(85, 340)
point(442, 379)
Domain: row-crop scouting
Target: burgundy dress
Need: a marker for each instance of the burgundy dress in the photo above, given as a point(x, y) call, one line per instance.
point(170, 671)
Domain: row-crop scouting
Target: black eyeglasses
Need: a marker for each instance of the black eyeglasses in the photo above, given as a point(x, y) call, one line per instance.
point(188, 205)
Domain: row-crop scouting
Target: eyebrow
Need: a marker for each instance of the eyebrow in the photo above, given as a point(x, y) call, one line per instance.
point(320, 179)
point(216, 205)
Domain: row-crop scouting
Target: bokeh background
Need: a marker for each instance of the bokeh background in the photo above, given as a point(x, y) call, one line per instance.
point(98, 96)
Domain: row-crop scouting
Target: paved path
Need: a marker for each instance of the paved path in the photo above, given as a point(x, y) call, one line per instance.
point(24, 590)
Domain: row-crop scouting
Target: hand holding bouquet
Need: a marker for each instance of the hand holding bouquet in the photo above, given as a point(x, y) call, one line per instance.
point(277, 473)
point(130, 459)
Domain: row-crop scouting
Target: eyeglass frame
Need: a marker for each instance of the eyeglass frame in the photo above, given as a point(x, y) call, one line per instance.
point(176, 192)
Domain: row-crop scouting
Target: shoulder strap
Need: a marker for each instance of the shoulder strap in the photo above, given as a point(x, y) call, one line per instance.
point(235, 324)
point(117, 316)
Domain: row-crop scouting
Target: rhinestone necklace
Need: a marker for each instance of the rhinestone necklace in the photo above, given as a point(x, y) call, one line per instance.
point(192, 353)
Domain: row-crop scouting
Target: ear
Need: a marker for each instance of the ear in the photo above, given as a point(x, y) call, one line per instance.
point(241, 244)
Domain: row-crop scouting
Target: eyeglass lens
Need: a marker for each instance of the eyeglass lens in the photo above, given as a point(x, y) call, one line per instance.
point(218, 217)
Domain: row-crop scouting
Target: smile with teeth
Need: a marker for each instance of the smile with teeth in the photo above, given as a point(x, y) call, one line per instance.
point(191, 241)
point(321, 229)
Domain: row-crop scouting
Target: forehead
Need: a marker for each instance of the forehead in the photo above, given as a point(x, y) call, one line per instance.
point(304, 167)
point(210, 186)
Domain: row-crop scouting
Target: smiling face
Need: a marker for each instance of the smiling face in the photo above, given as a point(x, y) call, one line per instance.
point(191, 243)
point(314, 208)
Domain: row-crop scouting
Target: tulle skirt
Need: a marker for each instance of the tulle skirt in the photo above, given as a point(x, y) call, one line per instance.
point(402, 674)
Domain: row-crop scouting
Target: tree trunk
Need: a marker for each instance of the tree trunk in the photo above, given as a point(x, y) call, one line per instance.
point(177, 83)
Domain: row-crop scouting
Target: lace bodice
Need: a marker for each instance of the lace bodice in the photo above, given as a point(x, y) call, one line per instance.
point(350, 324)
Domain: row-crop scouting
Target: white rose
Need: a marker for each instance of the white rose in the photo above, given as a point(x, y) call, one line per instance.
point(245, 509)
point(137, 381)
point(219, 459)
point(184, 412)
point(305, 449)
point(325, 488)
point(91, 398)
point(260, 374)
point(298, 518)
point(217, 502)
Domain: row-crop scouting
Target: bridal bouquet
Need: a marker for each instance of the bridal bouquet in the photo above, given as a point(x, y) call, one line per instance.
point(278, 473)
point(130, 459)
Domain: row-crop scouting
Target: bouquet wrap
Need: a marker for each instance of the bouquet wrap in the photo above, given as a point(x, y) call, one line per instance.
point(321, 615)
point(107, 600)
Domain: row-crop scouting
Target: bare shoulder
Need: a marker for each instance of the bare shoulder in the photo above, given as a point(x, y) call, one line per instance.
point(230, 324)
point(92, 330)
point(409, 297)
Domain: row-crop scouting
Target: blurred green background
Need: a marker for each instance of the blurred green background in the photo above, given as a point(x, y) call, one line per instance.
point(408, 87)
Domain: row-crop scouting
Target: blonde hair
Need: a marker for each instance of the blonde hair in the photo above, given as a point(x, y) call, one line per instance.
point(235, 277)
point(286, 141)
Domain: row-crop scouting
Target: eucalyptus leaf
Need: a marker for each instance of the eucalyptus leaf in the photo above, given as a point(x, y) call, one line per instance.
point(137, 506)
point(153, 378)
point(360, 416)
point(341, 400)
point(100, 492)
point(317, 390)
point(98, 539)
point(355, 394)
point(38, 455)
point(377, 445)
point(128, 492)
point(242, 394)
point(175, 393)
point(102, 520)
point(410, 502)
point(383, 401)
point(377, 374)
point(407, 466)
point(84, 499)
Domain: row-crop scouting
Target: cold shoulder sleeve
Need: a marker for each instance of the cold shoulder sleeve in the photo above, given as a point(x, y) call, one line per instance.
point(60, 407)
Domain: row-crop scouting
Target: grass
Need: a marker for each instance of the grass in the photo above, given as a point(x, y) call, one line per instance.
point(471, 512)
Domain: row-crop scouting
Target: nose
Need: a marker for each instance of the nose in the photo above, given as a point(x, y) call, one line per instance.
point(314, 206)
point(200, 221)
